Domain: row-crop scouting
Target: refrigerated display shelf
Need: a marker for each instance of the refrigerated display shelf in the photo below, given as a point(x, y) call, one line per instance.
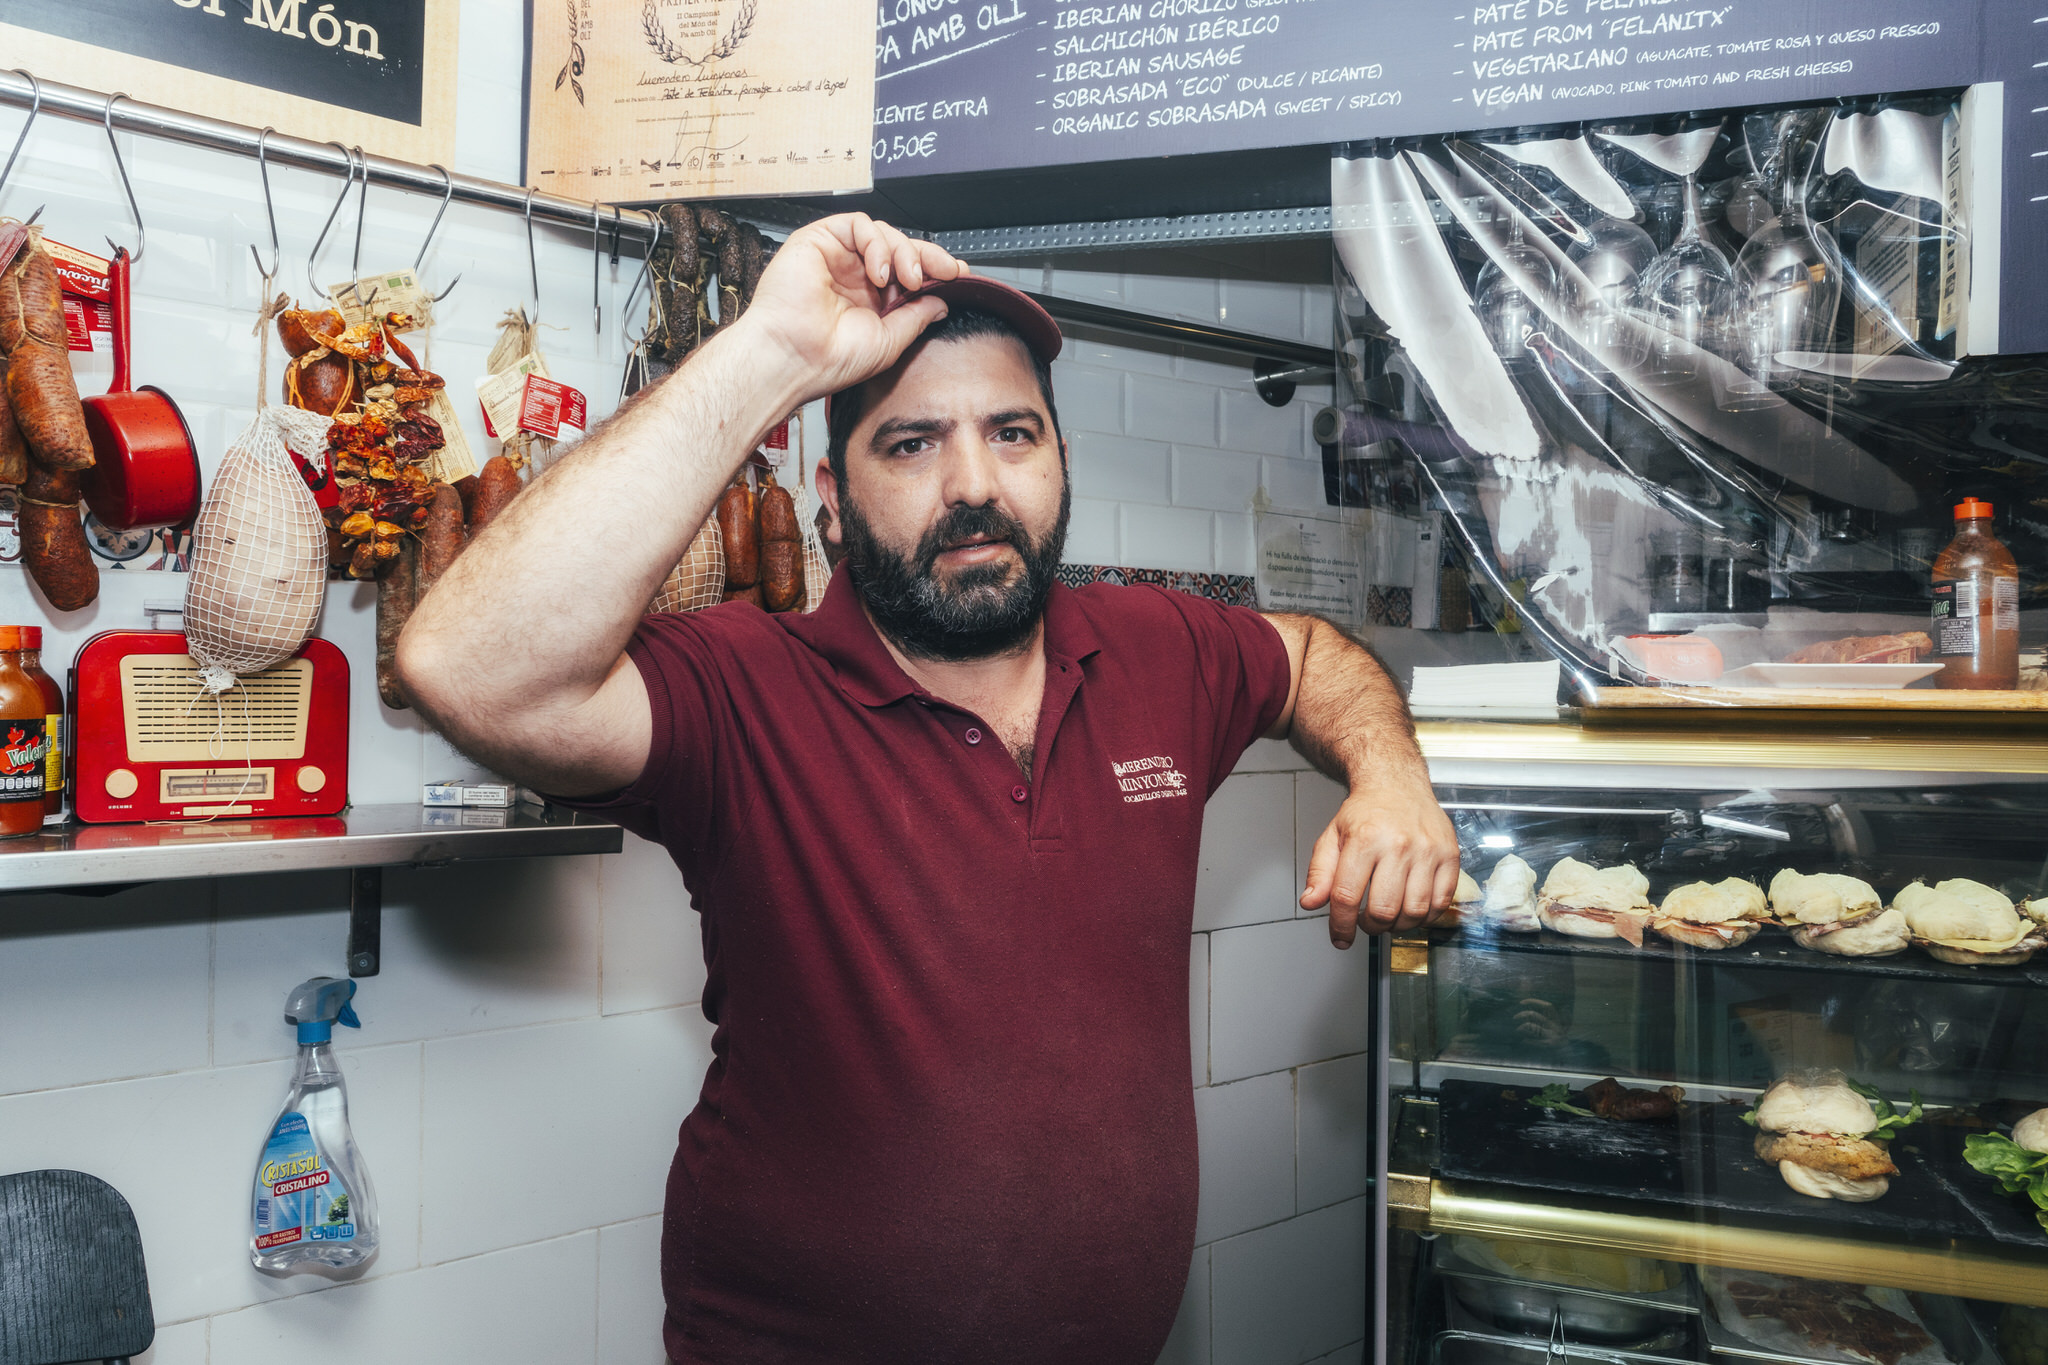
point(1771, 950)
point(1942, 1267)
point(1688, 738)
point(1704, 1158)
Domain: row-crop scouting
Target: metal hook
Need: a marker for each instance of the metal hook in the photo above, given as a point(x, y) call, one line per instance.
point(532, 257)
point(355, 260)
point(36, 89)
point(270, 209)
point(596, 260)
point(332, 213)
point(126, 188)
point(615, 236)
point(447, 193)
point(644, 277)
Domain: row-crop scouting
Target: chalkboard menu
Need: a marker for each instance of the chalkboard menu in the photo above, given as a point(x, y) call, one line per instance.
point(979, 84)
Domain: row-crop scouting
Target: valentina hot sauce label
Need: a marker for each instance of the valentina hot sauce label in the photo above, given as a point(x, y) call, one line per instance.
point(298, 1198)
point(24, 758)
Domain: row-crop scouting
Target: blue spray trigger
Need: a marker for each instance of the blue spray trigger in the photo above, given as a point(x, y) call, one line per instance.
point(347, 1017)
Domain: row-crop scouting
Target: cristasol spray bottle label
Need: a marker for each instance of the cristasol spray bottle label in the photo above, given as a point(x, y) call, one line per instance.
point(299, 1198)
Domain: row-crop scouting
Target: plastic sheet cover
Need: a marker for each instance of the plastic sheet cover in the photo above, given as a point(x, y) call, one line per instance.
point(1662, 374)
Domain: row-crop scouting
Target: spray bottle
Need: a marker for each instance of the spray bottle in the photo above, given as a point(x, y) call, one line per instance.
point(313, 1200)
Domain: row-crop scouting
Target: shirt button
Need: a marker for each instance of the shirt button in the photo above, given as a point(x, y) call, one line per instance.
point(973, 736)
point(1020, 794)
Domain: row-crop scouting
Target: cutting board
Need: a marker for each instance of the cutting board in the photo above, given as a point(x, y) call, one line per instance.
point(1704, 1159)
point(1814, 698)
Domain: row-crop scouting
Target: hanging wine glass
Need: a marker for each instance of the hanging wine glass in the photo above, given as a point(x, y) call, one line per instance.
point(1612, 257)
point(1789, 273)
point(1688, 292)
point(1505, 309)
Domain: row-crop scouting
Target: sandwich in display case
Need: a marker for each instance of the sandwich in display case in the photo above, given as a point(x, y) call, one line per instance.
point(1711, 1074)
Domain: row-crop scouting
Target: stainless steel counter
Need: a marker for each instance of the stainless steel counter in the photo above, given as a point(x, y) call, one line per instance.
point(363, 836)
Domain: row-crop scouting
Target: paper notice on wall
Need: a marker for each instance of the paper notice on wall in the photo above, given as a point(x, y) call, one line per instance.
point(687, 99)
point(1311, 563)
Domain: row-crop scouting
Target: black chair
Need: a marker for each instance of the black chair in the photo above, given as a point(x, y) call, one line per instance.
point(72, 1283)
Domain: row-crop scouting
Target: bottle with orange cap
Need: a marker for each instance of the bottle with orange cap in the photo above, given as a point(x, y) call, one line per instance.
point(1976, 621)
point(24, 736)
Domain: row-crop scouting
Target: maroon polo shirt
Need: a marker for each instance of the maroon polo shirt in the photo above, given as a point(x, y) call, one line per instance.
point(948, 1116)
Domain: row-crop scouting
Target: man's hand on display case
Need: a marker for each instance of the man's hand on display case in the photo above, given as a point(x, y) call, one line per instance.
point(829, 300)
point(1387, 862)
point(1390, 858)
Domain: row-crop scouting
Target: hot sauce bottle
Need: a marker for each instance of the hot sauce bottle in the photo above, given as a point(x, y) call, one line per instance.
point(24, 739)
point(1976, 620)
point(53, 723)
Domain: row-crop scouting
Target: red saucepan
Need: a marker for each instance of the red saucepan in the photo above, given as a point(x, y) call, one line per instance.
point(145, 473)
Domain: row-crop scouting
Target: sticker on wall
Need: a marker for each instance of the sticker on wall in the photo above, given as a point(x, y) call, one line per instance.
point(1233, 589)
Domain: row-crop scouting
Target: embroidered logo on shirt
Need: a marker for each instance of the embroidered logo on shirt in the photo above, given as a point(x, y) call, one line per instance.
point(1149, 779)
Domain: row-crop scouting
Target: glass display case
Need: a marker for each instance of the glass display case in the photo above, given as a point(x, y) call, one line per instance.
point(1666, 1103)
point(1694, 400)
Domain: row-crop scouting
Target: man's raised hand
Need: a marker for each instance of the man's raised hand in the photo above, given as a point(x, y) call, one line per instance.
point(821, 299)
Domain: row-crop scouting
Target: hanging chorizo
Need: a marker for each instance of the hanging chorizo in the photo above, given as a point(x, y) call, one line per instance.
point(741, 535)
point(53, 538)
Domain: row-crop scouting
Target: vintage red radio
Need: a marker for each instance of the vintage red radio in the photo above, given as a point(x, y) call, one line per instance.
point(150, 743)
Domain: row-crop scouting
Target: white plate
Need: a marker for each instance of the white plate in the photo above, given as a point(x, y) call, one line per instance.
point(1826, 675)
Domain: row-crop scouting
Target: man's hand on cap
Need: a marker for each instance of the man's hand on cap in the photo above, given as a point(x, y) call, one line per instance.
point(822, 300)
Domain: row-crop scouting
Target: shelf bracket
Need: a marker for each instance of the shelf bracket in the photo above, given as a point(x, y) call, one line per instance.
point(365, 920)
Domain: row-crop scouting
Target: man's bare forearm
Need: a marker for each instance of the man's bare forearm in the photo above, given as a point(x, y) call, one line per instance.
point(534, 616)
point(1349, 717)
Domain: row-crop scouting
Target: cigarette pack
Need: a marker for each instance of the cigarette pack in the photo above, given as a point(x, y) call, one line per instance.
point(458, 793)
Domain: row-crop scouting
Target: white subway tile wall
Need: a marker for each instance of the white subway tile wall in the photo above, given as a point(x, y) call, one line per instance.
point(535, 1037)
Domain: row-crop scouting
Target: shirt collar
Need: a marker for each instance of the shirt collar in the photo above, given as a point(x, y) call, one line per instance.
point(839, 630)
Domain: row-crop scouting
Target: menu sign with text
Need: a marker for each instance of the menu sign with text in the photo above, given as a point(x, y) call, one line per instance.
point(379, 73)
point(975, 84)
point(690, 99)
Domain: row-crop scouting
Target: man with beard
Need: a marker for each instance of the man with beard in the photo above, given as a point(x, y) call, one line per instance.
point(942, 832)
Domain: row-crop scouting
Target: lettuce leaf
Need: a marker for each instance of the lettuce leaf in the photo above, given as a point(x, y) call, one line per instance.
point(2017, 1170)
point(1557, 1095)
point(1889, 1119)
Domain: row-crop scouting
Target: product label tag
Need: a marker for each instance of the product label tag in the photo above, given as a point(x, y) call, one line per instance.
point(551, 408)
point(454, 460)
point(390, 291)
point(2005, 604)
point(1954, 619)
point(502, 391)
point(88, 286)
point(298, 1198)
point(24, 758)
point(12, 238)
point(53, 763)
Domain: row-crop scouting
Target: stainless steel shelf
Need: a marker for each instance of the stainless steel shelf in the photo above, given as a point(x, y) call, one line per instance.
point(361, 837)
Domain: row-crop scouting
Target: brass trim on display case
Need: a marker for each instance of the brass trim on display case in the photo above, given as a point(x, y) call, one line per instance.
point(1943, 1268)
point(1410, 955)
point(2018, 750)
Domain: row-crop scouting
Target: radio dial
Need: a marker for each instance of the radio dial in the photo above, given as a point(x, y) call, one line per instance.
point(122, 784)
point(311, 779)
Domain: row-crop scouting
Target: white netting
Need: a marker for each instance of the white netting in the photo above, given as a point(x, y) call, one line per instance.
point(698, 579)
point(259, 552)
point(816, 570)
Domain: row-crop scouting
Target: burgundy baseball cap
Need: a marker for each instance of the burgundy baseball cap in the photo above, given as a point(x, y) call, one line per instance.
point(1041, 334)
